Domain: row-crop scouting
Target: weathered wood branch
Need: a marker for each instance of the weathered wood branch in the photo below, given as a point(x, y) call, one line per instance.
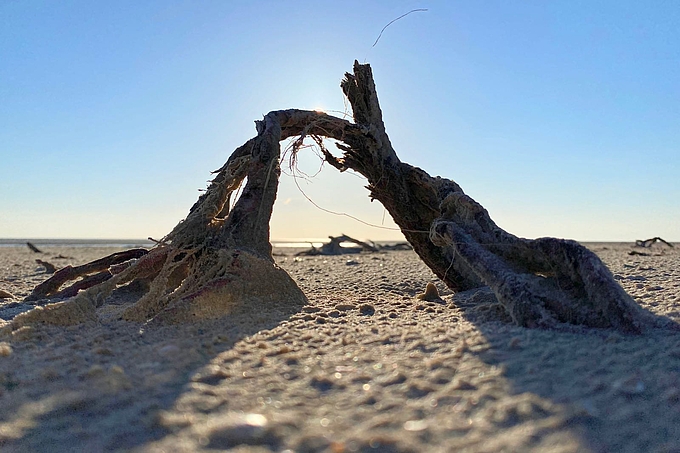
point(542, 282)
point(49, 267)
point(49, 289)
point(334, 248)
point(650, 242)
point(33, 248)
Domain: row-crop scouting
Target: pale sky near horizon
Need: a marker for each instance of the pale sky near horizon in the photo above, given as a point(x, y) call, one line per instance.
point(562, 118)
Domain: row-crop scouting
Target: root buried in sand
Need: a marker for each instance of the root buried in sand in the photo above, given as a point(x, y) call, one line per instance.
point(220, 255)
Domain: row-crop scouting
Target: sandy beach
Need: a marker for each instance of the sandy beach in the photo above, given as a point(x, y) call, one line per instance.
point(363, 366)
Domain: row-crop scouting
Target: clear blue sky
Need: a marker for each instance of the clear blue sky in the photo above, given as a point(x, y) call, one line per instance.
point(562, 118)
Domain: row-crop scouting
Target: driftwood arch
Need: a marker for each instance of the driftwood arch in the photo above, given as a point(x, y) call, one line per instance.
point(219, 258)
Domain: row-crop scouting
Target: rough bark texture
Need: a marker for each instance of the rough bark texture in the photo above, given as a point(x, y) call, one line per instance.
point(220, 256)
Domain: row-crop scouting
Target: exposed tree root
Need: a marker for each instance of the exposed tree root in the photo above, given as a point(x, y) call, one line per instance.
point(101, 268)
point(213, 263)
point(219, 258)
point(541, 282)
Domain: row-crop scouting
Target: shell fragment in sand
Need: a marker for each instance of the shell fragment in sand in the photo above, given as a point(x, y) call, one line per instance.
point(431, 293)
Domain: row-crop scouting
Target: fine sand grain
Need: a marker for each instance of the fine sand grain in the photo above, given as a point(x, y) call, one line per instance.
point(365, 365)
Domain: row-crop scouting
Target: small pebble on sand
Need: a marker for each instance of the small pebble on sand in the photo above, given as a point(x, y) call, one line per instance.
point(5, 349)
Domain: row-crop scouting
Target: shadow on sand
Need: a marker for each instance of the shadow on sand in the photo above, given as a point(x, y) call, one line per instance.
point(622, 391)
point(115, 379)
